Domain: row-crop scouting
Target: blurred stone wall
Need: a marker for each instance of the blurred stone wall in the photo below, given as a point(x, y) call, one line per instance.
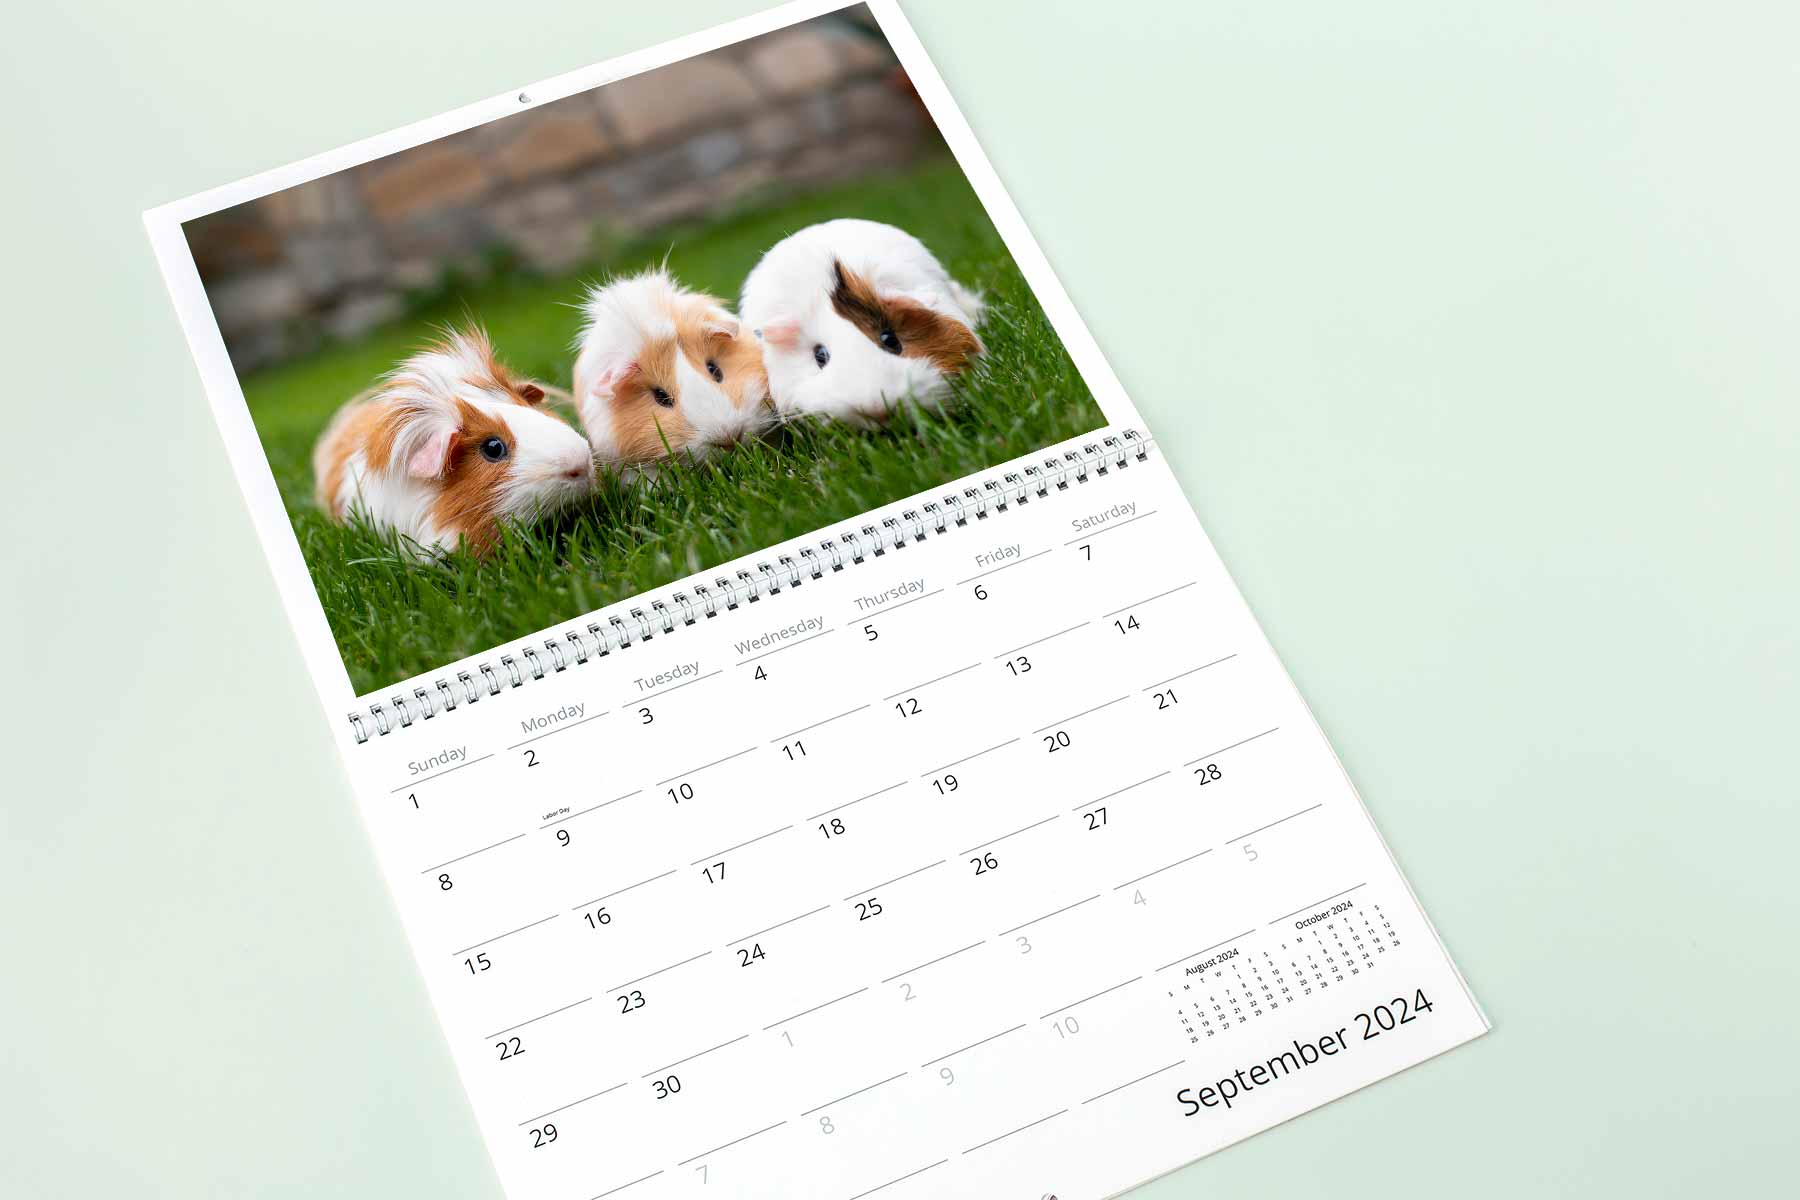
point(334, 258)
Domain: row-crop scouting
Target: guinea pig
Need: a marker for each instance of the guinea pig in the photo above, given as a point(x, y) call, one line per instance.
point(857, 318)
point(446, 448)
point(665, 371)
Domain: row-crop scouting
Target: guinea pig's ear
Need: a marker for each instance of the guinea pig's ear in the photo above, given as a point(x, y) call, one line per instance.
point(614, 370)
point(430, 457)
point(426, 434)
point(783, 333)
point(531, 393)
point(719, 326)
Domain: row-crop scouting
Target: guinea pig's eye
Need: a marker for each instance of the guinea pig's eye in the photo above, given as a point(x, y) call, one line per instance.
point(663, 398)
point(712, 368)
point(493, 449)
point(821, 356)
point(890, 341)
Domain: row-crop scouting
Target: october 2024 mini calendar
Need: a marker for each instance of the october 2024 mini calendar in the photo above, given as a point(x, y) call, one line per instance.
point(966, 840)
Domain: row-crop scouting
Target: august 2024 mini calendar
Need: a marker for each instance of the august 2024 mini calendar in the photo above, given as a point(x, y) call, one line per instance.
point(811, 744)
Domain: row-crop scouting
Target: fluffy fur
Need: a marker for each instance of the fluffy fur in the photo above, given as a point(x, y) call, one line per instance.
point(448, 447)
point(857, 318)
point(665, 370)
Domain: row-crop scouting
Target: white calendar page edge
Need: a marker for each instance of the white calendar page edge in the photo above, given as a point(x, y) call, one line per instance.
point(244, 448)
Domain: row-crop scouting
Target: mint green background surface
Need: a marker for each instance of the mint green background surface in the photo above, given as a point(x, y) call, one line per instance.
point(1472, 336)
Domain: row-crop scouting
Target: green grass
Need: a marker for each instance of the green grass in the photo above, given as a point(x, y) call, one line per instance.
point(394, 618)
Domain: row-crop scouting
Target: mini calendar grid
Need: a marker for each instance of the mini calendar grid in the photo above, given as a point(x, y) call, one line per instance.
point(838, 913)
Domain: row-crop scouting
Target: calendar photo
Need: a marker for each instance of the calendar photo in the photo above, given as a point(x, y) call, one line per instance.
point(514, 374)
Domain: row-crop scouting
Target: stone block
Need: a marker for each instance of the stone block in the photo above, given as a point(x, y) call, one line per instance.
point(711, 153)
point(424, 180)
point(358, 314)
point(864, 54)
point(231, 241)
point(880, 104)
point(773, 133)
point(245, 302)
point(649, 107)
point(552, 145)
point(328, 201)
point(326, 262)
point(796, 62)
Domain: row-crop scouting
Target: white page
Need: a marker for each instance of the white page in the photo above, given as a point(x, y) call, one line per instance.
point(977, 844)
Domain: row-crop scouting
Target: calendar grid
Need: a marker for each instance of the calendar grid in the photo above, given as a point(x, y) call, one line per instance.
point(1030, 954)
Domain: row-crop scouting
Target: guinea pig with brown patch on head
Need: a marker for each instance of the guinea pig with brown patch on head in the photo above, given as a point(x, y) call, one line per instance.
point(857, 318)
point(447, 448)
point(666, 371)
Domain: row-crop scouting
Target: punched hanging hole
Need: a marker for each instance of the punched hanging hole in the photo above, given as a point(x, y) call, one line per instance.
point(524, 99)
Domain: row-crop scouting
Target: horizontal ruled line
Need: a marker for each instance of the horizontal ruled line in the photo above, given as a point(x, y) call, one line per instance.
point(809, 728)
point(628, 887)
point(853, 1095)
point(1191, 670)
point(471, 854)
point(571, 1104)
point(779, 924)
point(896, 879)
point(708, 766)
point(971, 758)
point(405, 787)
point(728, 1145)
point(1265, 733)
point(560, 728)
point(1272, 824)
point(717, 855)
point(807, 1012)
point(846, 804)
point(1084, 712)
point(917, 687)
point(690, 1058)
point(1147, 599)
point(1040, 641)
point(623, 1186)
point(1004, 836)
point(934, 962)
point(1179, 862)
point(1065, 908)
point(1120, 792)
point(1103, 991)
point(890, 1183)
point(1139, 1079)
point(1002, 567)
point(595, 808)
point(1204, 949)
point(1315, 904)
point(1020, 1129)
point(652, 975)
point(498, 936)
point(813, 637)
point(1118, 525)
point(984, 1041)
point(675, 687)
point(541, 1016)
point(882, 612)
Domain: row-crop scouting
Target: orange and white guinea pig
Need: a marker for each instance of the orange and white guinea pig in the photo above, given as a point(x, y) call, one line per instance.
point(663, 370)
point(446, 448)
point(857, 318)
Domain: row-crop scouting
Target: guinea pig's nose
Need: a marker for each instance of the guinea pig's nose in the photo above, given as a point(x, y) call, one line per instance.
point(576, 473)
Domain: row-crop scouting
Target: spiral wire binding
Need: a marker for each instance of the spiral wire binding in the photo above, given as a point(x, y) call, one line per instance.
point(666, 614)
